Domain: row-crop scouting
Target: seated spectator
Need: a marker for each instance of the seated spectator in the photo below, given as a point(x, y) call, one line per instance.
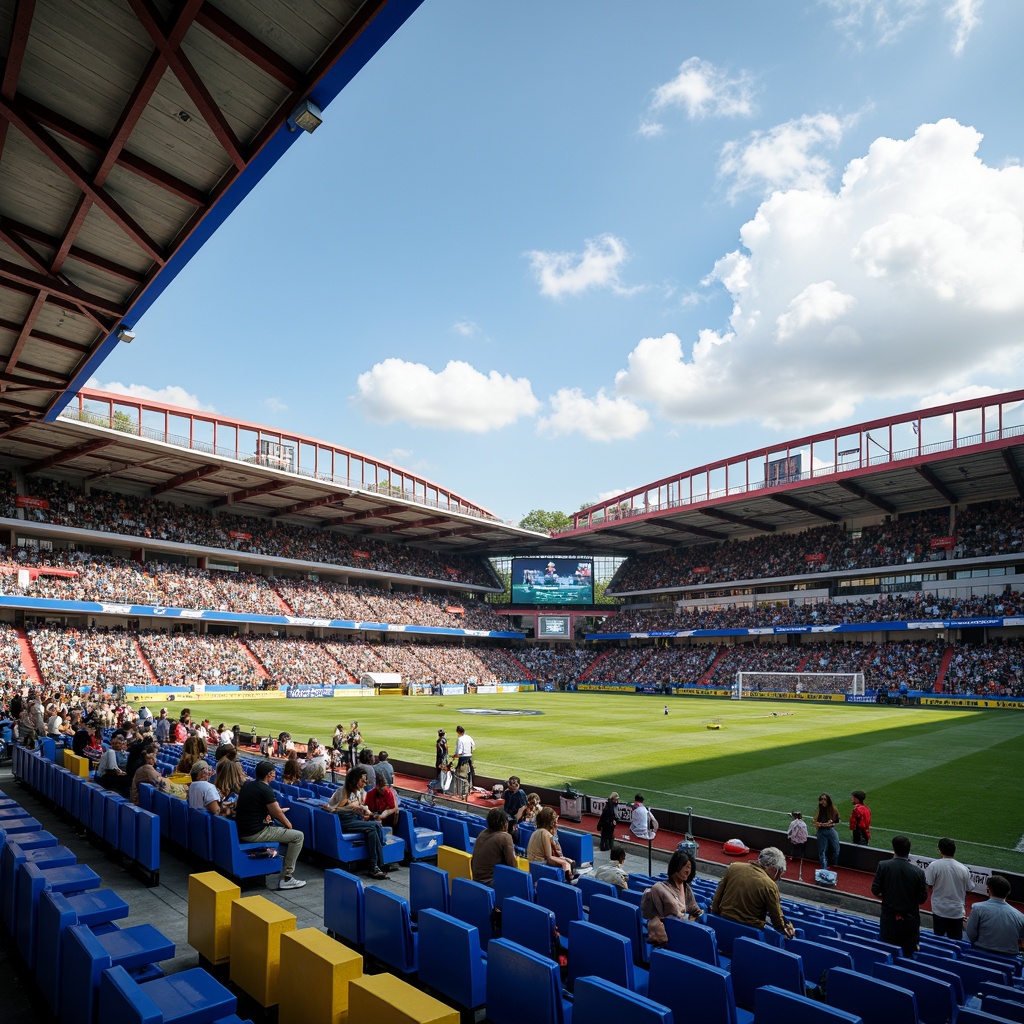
point(994, 926)
point(382, 804)
point(493, 846)
point(147, 774)
point(542, 846)
point(291, 774)
point(315, 768)
point(613, 870)
point(383, 767)
point(202, 793)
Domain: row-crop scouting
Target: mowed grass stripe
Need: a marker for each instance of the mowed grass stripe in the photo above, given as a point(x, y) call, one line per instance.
point(927, 772)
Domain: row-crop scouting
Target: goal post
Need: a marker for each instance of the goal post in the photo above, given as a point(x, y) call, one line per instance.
point(751, 683)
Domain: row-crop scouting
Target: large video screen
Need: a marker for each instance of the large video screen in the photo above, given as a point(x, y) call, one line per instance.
point(551, 581)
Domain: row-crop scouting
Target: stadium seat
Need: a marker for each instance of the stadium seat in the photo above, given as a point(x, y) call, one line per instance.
point(597, 999)
point(603, 954)
point(511, 882)
point(936, 1003)
point(420, 842)
point(473, 903)
point(756, 963)
point(727, 932)
point(389, 934)
point(524, 986)
point(1008, 1009)
point(817, 959)
point(773, 1005)
point(188, 997)
point(692, 939)
point(874, 1001)
point(344, 907)
point(564, 900)
point(539, 870)
point(590, 887)
point(451, 960)
point(616, 916)
point(529, 925)
point(694, 990)
point(428, 888)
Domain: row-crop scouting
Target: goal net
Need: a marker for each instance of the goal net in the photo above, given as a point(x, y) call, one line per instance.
point(749, 684)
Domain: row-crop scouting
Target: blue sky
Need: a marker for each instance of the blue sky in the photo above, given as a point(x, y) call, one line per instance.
point(545, 252)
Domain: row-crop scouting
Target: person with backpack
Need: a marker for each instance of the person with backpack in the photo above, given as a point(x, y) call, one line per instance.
point(860, 818)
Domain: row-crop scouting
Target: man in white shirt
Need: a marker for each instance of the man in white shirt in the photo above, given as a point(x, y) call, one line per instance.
point(948, 880)
point(642, 823)
point(613, 869)
point(202, 793)
point(464, 747)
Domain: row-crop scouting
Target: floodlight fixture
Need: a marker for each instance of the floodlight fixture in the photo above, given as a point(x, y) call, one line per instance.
point(306, 116)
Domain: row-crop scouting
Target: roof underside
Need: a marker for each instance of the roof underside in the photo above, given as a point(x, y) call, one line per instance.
point(129, 129)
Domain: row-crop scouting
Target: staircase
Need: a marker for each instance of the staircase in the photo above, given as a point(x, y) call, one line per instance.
point(147, 667)
point(940, 679)
point(28, 659)
point(589, 670)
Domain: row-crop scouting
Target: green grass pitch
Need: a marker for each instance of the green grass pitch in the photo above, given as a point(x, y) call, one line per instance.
point(927, 772)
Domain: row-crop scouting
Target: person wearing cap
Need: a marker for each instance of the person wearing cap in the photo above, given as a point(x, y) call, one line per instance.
point(441, 755)
point(202, 793)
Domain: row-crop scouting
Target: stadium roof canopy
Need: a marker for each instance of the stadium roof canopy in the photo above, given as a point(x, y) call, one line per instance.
point(129, 131)
point(964, 452)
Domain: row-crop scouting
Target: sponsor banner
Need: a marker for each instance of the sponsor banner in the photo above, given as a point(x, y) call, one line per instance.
point(607, 687)
point(487, 688)
point(698, 569)
point(215, 694)
point(816, 559)
point(649, 688)
point(301, 620)
point(942, 543)
point(454, 573)
point(116, 609)
point(26, 501)
point(970, 623)
point(701, 691)
point(860, 698)
point(452, 689)
point(360, 554)
point(792, 629)
point(790, 695)
point(303, 692)
point(239, 535)
point(1006, 703)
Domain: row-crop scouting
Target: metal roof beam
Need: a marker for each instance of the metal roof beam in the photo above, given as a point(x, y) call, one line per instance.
point(858, 492)
point(17, 45)
point(302, 506)
point(730, 517)
point(803, 506)
point(698, 531)
point(169, 48)
point(251, 492)
point(183, 478)
point(252, 49)
point(55, 286)
point(69, 455)
point(387, 512)
point(1011, 468)
point(928, 475)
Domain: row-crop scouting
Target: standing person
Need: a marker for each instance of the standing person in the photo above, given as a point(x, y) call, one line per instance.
point(642, 823)
point(749, 893)
point(440, 750)
point(464, 747)
point(994, 926)
point(606, 823)
point(902, 889)
point(513, 804)
point(860, 818)
point(162, 728)
point(352, 740)
point(948, 880)
point(797, 834)
point(826, 817)
point(255, 811)
point(672, 898)
point(493, 846)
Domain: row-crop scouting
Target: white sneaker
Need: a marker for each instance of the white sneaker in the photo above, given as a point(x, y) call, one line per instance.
point(290, 883)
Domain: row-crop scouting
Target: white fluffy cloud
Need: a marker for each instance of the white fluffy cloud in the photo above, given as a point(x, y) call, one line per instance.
point(460, 397)
point(786, 156)
point(906, 280)
point(885, 20)
point(599, 418)
point(570, 273)
point(703, 90)
point(170, 395)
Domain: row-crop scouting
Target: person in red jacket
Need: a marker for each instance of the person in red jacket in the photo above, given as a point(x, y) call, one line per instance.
point(860, 818)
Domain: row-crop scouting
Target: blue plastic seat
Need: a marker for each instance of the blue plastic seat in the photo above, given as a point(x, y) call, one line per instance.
point(936, 1003)
point(473, 903)
point(428, 889)
point(603, 954)
point(756, 963)
point(873, 1000)
point(511, 882)
point(529, 925)
point(389, 934)
point(611, 913)
point(690, 938)
point(818, 958)
point(456, 834)
point(992, 963)
point(32, 881)
point(864, 957)
point(564, 900)
point(451, 959)
point(590, 887)
point(524, 986)
point(344, 907)
point(727, 932)
point(774, 1005)
point(200, 835)
point(420, 842)
point(991, 988)
point(694, 990)
point(972, 975)
point(1008, 1009)
point(188, 997)
point(597, 999)
point(539, 870)
point(232, 856)
point(87, 954)
point(931, 971)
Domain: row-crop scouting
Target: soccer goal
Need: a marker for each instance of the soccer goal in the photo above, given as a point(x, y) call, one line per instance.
point(751, 683)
